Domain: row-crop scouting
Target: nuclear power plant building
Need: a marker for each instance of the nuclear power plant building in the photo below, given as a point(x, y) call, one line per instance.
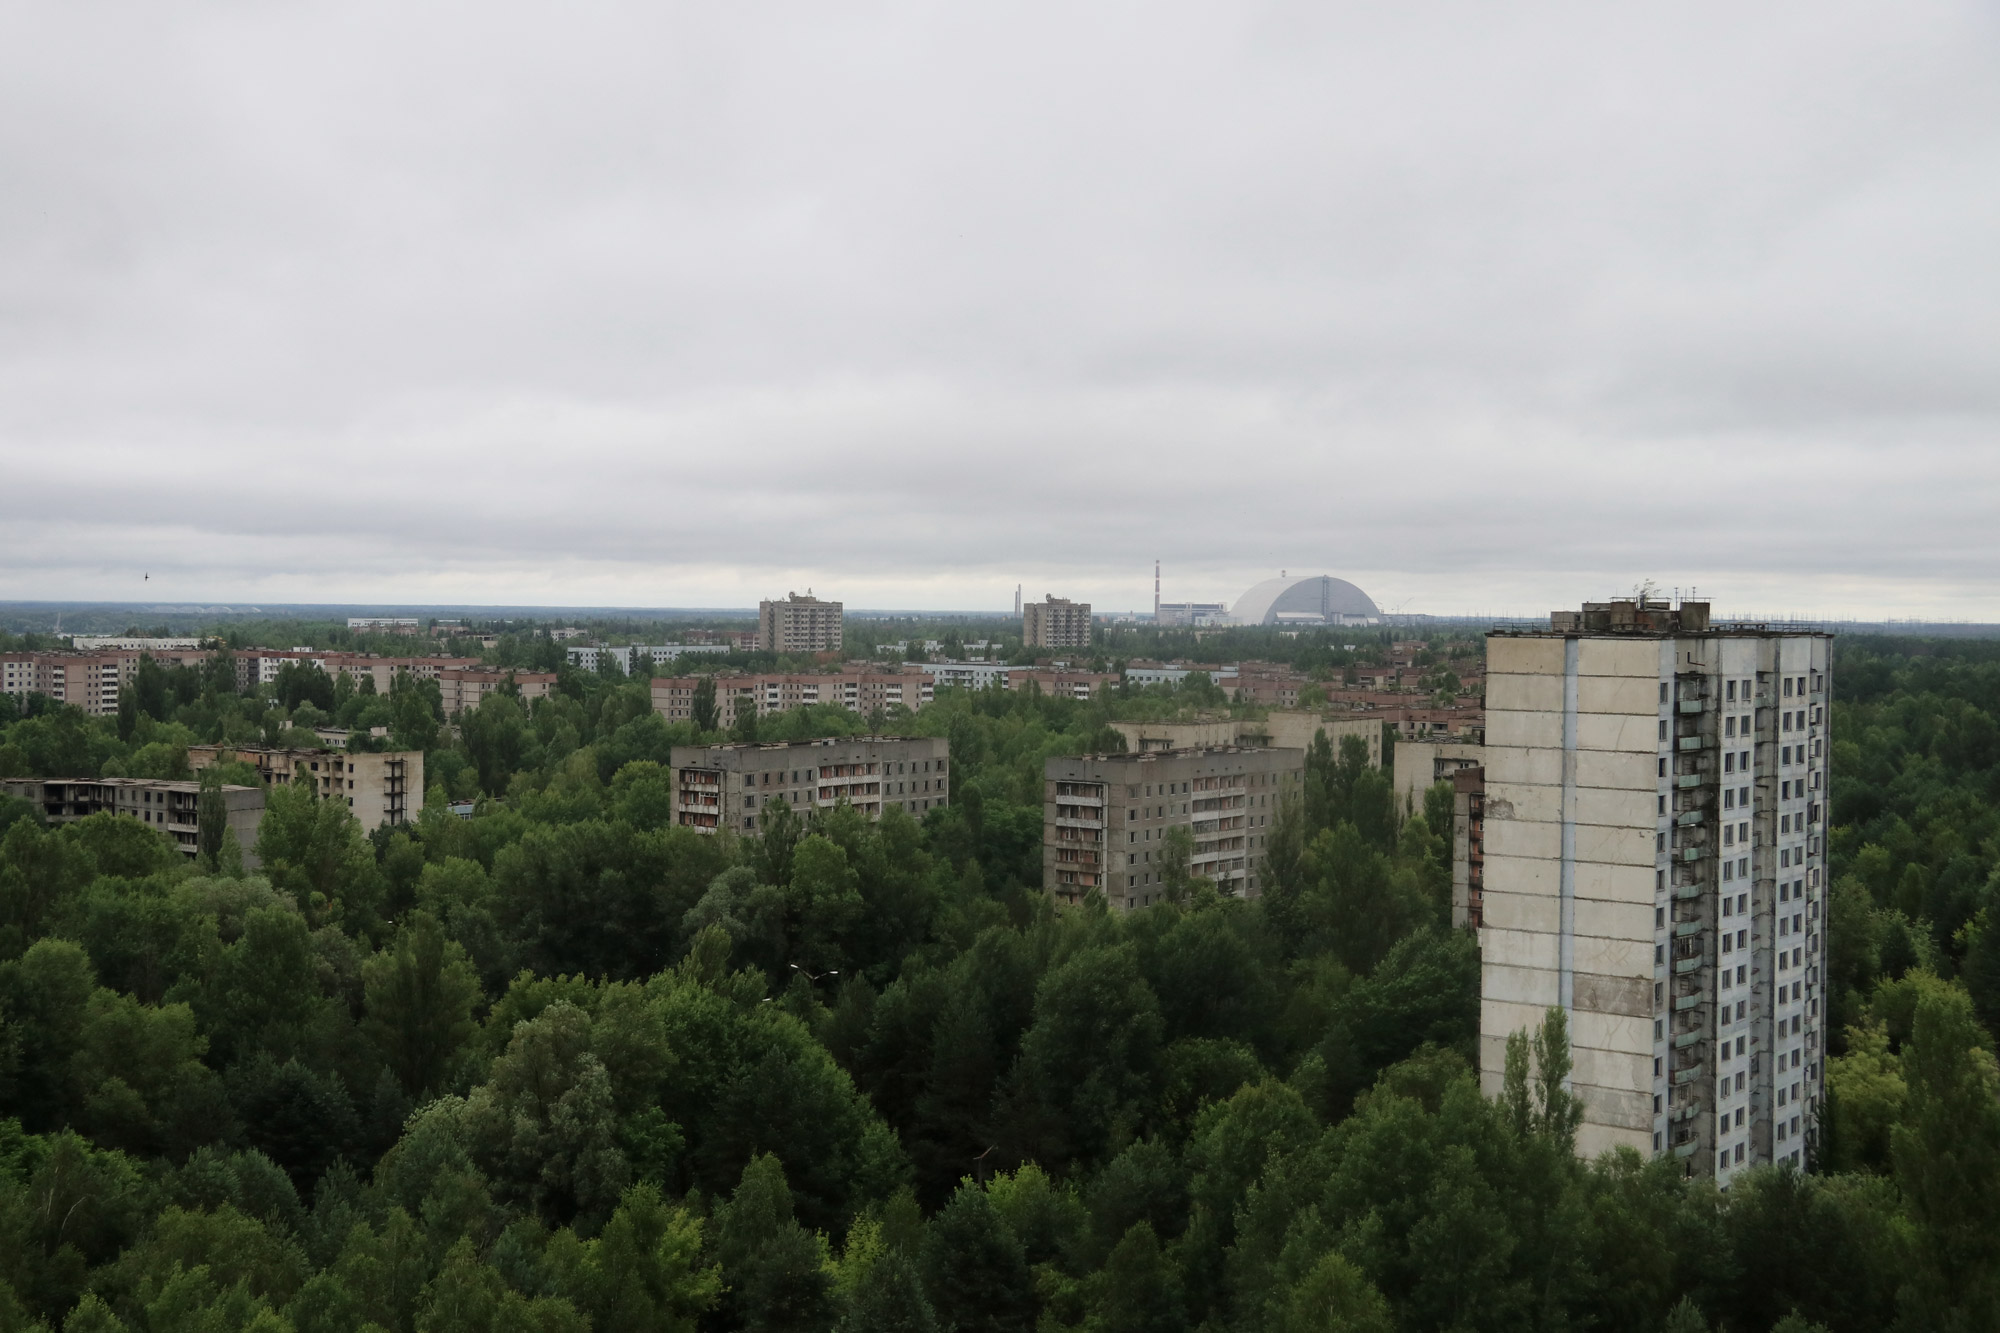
point(1318, 599)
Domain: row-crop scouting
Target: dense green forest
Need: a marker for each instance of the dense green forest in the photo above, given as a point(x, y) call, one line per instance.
point(562, 1065)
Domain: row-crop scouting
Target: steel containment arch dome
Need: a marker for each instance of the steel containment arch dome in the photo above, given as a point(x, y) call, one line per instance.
point(1318, 599)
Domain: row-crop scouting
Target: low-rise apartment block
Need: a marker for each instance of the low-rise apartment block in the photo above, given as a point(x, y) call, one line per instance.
point(98, 643)
point(381, 788)
point(1068, 684)
point(730, 786)
point(1106, 816)
point(1173, 673)
point(1296, 730)
point(967, 675)
point(1278, 729)
point(462, 689)
point(1150, 737)
point(777, 692)
point(799, 625)
point(172, 807)
point(1246, 682)
point(90, 681)
point(1268, 683)
point(1462, 723)
point(593, 658)
point(985, 675)
point(1056, 622)
point(462, 681)
point(1420, 764)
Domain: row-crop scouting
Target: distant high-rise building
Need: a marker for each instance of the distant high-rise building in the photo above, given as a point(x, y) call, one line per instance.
point(1652, 839)
point(799, 625)
point(1056, 622)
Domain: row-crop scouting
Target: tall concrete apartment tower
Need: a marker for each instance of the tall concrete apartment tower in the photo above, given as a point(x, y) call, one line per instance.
point(1654, 847)
point(799, 625)
point(1055, 622)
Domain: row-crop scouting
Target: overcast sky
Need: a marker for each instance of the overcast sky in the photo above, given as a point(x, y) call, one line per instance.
point(1485, 307)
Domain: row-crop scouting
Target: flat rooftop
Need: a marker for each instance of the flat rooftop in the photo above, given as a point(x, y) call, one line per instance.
point(1186, 752)
point(1651, 618)
point(150, 784)
point(820, 744)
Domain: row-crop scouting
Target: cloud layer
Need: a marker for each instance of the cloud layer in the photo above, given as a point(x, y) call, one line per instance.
point(1488, 308)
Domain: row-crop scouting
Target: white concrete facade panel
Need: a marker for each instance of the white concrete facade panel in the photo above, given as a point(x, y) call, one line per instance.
point(1528, 694)
point(1532, 656)
point(1514, 838)
point(1631, 696)
point(1617, 731)
point(1541, 767)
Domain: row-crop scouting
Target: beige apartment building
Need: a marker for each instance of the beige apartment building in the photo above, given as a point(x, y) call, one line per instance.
point(90, 681)
point(799, 625)
point(171, 807)
point(1105, 818)
point(1420, 764)
point(97, 643)
point(462, 681)
point(1053, 679)
point(775, 692)
point(1276, 730)
point(1653, 837)
point(462, 689)
point(1056, 622)
point(720, 787)
point(384, 788)
point(1468, 847)
point(1060, 683)
point(1297, 730)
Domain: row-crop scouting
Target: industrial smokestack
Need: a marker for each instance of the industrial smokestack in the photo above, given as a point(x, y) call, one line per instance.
point(1156, 592)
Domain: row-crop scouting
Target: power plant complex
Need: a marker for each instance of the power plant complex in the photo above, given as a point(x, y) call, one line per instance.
point(1306, 600)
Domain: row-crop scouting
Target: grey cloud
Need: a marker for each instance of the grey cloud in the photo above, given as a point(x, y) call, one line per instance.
point(1496, 306)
